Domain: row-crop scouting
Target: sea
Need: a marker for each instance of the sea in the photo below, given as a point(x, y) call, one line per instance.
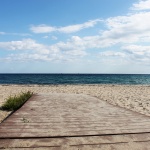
point(56, 79)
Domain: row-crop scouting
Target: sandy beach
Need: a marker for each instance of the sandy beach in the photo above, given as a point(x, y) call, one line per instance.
point(133, 97)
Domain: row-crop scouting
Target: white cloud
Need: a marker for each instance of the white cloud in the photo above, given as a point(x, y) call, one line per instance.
point(28, 57)
point(54, 38)
point(74, 43)
point(67, 29)
point(45, 37)
point(42, 29)
point(138, 53)
point(128, 29)
point(2, 33)
point(29, 49)
point(141, 5)
point(25, 44)
point(78, 27)
point(19, 45)
point(112, 54)
point(18, 34)
point(137, 50)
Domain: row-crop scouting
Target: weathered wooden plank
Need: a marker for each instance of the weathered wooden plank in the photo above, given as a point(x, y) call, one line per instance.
point(36, 148)
point(48, 126)
point(73, 129)
point(116, 141)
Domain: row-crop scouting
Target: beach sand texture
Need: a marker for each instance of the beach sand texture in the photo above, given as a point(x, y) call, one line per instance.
point(133, 97)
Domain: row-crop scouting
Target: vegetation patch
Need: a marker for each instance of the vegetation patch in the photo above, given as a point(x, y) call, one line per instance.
point(15, 102)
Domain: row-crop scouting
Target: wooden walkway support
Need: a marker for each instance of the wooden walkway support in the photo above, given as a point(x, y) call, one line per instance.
point(74, 121)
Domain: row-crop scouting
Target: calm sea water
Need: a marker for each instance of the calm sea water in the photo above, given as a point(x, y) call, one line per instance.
point(74, 79)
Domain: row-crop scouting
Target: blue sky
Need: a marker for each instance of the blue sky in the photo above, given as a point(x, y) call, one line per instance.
point(75, 36)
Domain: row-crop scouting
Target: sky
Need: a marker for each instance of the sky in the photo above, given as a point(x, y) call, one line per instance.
point(75, 36)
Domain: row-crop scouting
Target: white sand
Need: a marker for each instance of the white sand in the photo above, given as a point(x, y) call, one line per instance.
point(133, 97)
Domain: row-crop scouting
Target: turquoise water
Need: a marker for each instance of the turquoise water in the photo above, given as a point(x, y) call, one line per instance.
point(75, 79)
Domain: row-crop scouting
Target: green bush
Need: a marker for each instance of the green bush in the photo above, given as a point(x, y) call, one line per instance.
point(14, 103)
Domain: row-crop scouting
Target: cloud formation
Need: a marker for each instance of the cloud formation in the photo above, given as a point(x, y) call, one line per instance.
point(112, 54)
point(138, 53)
point(17, 34)
point(128, 29)
point(67, 29)
point(124, 32)
point(137, 50)
point(22, 45)
point(141, 5)
point(29, 49)
point(2, 33)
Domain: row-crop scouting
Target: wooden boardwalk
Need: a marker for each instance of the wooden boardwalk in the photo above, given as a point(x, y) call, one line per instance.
point(74, 121)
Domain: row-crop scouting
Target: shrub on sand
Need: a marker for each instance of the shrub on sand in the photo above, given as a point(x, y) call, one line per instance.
point(14, 103)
